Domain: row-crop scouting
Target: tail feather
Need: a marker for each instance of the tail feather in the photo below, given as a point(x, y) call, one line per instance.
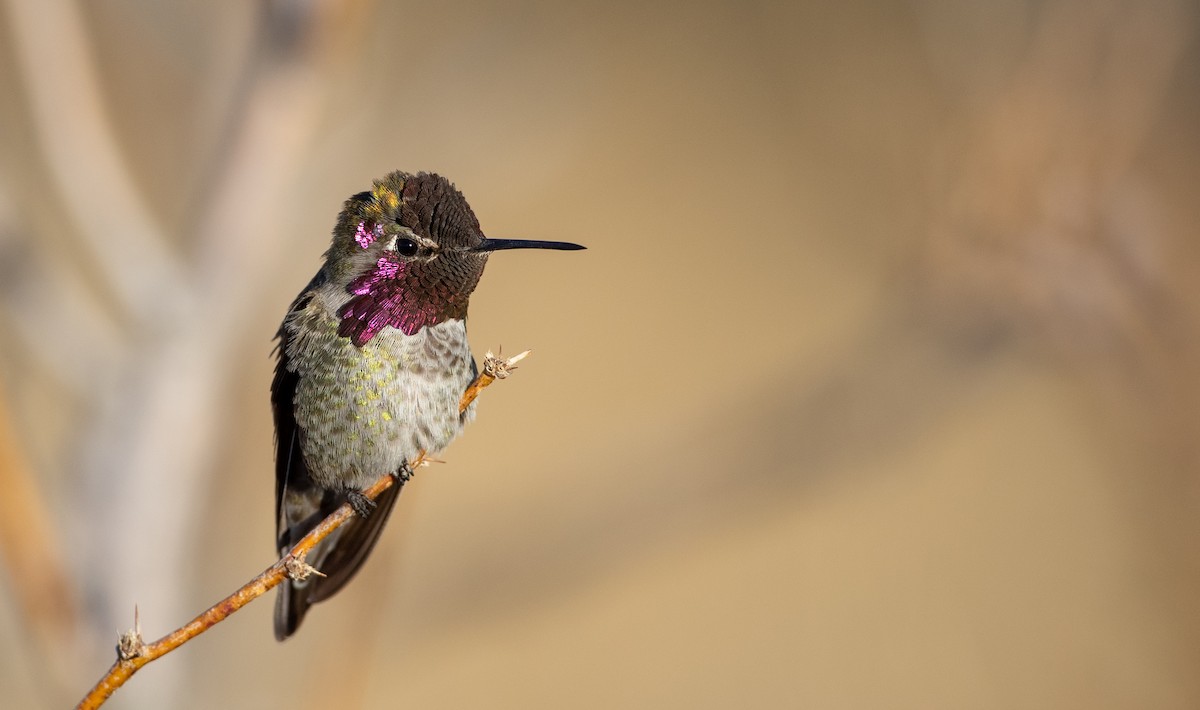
point(338, 557)
point(290, 609)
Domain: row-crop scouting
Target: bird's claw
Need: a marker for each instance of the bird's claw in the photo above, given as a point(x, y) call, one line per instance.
point(362, 505)
point(403, 474)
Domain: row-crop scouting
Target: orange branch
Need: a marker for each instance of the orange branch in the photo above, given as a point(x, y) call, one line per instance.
point(133, 653)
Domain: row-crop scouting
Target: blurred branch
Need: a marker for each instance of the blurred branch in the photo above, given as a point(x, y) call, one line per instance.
point(133, 653)
point(1041, 221)
point(82, 153)
point(31, 550)
point(165, 406)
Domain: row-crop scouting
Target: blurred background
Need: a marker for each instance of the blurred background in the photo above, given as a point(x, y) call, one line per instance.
point(878, 386)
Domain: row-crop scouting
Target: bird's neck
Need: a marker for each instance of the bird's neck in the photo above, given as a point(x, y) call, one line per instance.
point(391, 294)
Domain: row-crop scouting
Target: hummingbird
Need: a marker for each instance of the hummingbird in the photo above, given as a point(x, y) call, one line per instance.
point(372, 360)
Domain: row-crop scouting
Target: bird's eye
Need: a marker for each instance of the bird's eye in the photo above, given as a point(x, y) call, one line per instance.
point(407, 247)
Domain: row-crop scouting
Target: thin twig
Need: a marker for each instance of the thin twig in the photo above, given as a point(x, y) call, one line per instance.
point(493, 369)
point(133, 653)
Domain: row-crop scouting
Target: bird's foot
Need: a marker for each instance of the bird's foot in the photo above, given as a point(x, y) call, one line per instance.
point(403, 474)
point(362, 505)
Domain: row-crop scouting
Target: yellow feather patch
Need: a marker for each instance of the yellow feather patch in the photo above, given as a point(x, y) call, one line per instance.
point(386, 199)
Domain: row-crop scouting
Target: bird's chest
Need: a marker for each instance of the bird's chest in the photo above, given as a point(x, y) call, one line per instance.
point(365, 411)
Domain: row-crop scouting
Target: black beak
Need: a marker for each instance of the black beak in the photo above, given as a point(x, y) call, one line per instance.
point(498, 244)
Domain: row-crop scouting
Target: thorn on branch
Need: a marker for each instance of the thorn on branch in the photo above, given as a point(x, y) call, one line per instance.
point(298, 569)
point(494, 368)
point(499, 368)
point(130, 644)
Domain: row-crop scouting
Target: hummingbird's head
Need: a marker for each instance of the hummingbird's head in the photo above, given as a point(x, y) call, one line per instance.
point(410, 252)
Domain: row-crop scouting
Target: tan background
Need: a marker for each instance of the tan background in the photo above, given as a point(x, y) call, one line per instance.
point(877, 387)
